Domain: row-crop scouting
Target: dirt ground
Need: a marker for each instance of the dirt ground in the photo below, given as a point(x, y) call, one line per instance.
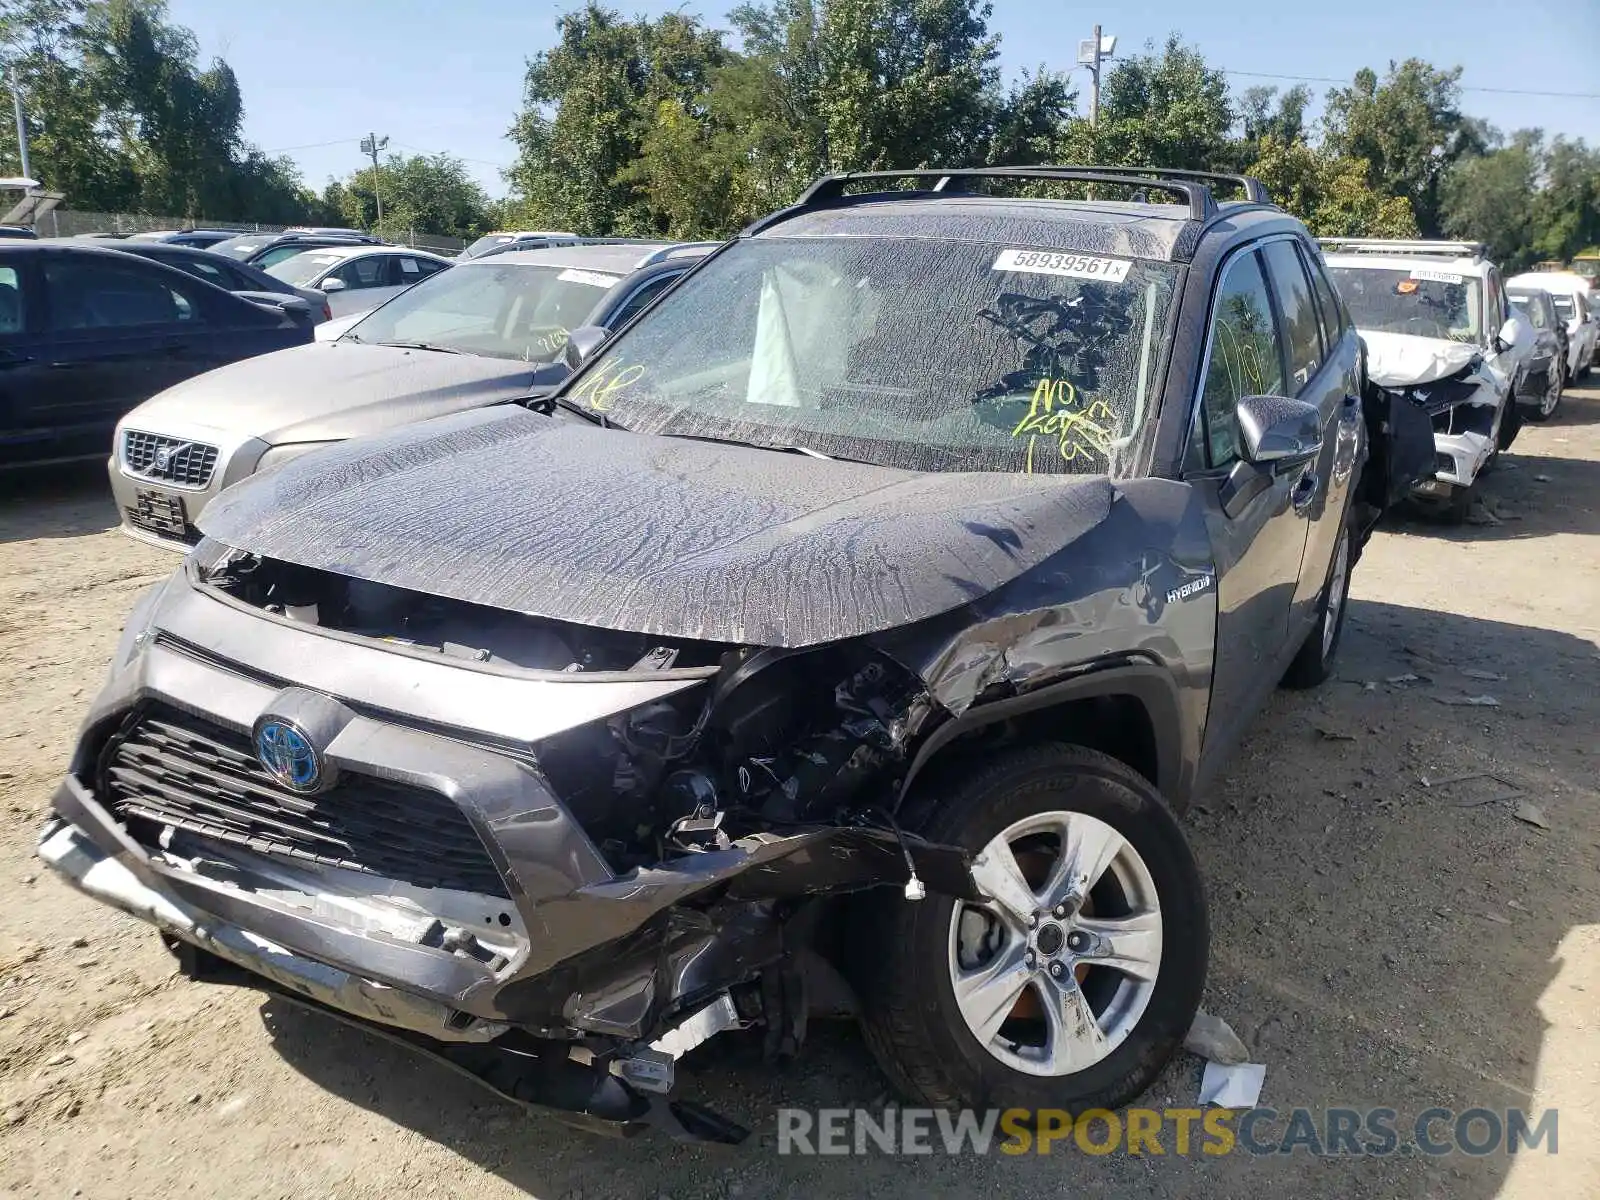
point(1377, 941)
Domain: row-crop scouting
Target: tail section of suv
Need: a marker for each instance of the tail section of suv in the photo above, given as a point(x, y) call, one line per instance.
point(855, 621)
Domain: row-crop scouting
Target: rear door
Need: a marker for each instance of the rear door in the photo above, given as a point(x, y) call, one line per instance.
point(1322, 370)
point(117, 330)
point(23, 372)
point(1254, 516)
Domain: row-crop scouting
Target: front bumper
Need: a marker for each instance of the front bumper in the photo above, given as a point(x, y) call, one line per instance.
point(131, 490)
point(72, 853)
point(571, 951)
point(1466, 453)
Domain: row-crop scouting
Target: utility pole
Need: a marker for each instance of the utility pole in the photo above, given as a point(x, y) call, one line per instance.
point(1091, 53)
point(22, 124)
point(370, 145)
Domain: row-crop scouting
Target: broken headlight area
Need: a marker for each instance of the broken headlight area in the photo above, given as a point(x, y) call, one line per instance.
point(772, 739)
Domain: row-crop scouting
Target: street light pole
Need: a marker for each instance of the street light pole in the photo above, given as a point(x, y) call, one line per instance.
point(1094, 87)
point(1090, 55)
point(22, 124)
point(370, 145)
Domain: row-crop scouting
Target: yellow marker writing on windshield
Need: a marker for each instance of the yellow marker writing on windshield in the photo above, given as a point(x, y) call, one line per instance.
point(1079, 433)
point(601, 386)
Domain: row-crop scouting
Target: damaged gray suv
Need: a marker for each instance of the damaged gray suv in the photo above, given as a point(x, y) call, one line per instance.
point(843, 636)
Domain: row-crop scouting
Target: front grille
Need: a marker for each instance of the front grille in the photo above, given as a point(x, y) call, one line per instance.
point(156, 457)
point(171, 768)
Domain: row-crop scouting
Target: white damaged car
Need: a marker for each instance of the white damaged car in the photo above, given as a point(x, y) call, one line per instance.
point(1439, 331)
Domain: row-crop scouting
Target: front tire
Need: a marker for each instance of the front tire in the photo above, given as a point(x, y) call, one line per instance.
point(1551, 400)
point(1314, 662)
point(970, 1005)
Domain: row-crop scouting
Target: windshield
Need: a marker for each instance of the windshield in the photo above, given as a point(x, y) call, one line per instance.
point(1529, 306)
point(493, 308)
point(1424, 302)
point(300, 267)
point(1563, 305)
point(240, 247)
point(933, 356)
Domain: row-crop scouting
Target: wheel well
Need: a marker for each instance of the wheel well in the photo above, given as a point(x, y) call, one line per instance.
point(1117, 725)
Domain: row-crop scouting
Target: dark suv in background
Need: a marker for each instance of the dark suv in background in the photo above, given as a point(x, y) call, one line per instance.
point(862, 613)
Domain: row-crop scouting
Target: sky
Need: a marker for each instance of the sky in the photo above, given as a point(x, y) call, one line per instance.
point(318, 77)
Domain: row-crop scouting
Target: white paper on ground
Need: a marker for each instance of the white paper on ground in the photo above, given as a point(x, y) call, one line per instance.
point(1232, 1087)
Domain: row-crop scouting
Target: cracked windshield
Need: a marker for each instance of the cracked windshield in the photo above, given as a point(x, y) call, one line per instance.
point(1430, 304)
point(921, 355)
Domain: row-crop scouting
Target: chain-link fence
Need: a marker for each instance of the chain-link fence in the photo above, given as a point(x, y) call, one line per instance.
point(73, 223)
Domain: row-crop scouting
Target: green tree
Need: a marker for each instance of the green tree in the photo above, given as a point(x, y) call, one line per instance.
point(905, 85)
point(1409, 129)
point(1166, 109)
point(1491, 198)
point(1031, 121)
point(588, 105)
point(424, 193)
point(1328, 192)
point(40, 41)
point(1566, 212)
point(120, 116)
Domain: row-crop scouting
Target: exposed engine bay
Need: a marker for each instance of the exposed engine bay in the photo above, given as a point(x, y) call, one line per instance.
point(772, 738)
point(1460, 391)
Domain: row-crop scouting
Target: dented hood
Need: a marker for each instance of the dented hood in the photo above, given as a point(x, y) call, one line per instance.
point(1397, 360)
point(664, 536)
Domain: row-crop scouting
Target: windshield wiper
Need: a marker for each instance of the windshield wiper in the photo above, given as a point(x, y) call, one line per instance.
point(421, 346)
point(548, 404)
point(806, 450)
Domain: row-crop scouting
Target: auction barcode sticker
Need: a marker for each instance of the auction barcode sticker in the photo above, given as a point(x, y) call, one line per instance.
point(1437, 276)
point(1078, 266)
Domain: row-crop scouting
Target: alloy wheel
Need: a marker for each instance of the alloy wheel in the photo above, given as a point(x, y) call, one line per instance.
point(1054, 973)
point(1552, 394)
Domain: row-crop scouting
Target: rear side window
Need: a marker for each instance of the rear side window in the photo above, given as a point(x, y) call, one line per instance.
point(1244, 357)
point(1301, 327)
point(636, 302)
point(371, 271)
point(11, 311)
point(1327, 301)
point(204, 270)
point(413, 269)
point(93, 295)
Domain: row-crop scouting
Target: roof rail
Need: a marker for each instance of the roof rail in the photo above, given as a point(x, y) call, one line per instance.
point(831, 188)
point(1412, 247)
point(1254, 190)
point(675, 251)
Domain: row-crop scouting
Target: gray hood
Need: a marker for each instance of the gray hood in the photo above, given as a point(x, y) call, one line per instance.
point(668, 537)
point(331, 391)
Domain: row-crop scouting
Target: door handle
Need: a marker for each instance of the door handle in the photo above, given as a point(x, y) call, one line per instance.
point(1305, 491)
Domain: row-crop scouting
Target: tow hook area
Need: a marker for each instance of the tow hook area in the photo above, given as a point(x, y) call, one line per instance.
point(610, 1094)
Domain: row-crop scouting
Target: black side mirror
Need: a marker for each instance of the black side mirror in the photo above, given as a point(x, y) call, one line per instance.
point(581, 345)
point(1276, 429)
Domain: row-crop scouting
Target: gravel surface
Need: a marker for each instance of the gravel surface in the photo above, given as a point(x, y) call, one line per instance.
point(1376, 941)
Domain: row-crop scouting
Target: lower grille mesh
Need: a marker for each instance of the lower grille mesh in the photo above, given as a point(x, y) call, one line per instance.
point(171, 768)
